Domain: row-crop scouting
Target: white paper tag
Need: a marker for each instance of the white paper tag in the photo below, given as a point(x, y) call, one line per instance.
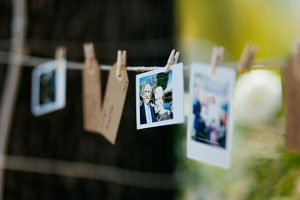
point(210, 120)
point(159, 97)
point(48, 87)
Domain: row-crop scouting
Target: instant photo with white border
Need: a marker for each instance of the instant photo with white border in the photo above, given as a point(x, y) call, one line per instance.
point(159, 97)
point(48, 87)
point(210, 120)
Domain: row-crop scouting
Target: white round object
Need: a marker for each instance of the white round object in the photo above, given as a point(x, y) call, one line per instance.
point(257, 96)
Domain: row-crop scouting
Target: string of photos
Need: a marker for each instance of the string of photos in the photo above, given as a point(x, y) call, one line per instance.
point(160, 98)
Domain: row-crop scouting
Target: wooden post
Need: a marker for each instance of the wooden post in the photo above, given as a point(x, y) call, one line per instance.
point(12, 80)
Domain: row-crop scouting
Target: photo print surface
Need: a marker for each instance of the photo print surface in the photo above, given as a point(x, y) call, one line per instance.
point(159, 99)
point(48, 87)
point(210, 116)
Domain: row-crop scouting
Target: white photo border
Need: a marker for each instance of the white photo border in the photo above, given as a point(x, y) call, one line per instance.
point(204, 152)
point(177, 97)
point(60, 87)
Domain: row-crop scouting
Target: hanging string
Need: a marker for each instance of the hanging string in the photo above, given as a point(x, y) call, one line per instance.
point(75, 169)
point(33, 61)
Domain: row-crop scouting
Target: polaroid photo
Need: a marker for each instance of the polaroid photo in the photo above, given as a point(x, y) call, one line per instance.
point(48, 87)
point(159, 97)
point(210, 120)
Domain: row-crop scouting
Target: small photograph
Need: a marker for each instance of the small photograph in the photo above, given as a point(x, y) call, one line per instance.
point(209, 123)
point(158, 103)
point(48, 88)
point(156, 98)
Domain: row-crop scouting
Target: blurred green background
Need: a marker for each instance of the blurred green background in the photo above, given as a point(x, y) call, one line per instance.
point(262, 167)
point(272, 24)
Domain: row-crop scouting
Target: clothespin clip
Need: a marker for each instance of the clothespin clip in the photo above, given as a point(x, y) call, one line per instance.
point(247, 56)
point(216, 58)
point(296, 59)
point(173, 59)
point(60, 54)
point(89, 54)
point(121, 63)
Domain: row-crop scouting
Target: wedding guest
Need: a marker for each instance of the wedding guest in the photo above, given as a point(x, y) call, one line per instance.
point(147, 114)
point(199, 123)
point(213, 134)
point(161, 112)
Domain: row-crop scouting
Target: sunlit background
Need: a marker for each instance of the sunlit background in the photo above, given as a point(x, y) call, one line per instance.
point(272, 24)
point(262, 167)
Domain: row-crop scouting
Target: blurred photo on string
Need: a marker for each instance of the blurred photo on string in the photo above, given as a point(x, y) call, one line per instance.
point(48, 87)
point(209, 122)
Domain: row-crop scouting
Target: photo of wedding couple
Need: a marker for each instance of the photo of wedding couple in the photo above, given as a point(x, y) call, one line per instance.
point(159, 98)
point(156, 98)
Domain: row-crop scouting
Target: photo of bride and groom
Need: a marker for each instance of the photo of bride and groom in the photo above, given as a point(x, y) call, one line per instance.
point(154, 110)
point(156, 98)
point(159, 98)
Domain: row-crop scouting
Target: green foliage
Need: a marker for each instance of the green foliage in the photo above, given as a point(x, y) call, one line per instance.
point(261, 168)
point(275, 179)
point(162, 80)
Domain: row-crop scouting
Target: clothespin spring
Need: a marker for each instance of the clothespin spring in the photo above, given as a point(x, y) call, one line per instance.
point(216, 58)
point(89, 54)
point(60, 54)
point(121, 63)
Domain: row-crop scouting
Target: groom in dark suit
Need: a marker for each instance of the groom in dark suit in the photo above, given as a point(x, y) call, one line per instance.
point(147, 114)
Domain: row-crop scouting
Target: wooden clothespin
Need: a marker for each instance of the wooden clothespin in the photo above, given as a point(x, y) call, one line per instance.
point(247, 56)
point(121, 63)
point(60, 55)
point(216, 58)
point(173, 59)
point(89, 54)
